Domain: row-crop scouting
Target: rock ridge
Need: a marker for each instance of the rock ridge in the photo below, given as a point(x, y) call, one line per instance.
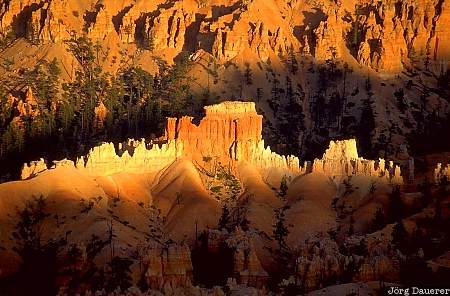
point(230, 132)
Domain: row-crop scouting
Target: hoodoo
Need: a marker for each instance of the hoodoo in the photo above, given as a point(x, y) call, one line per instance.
point(230, 132)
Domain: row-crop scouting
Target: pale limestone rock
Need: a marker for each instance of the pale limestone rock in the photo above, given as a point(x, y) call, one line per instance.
point(48, 23)
point(65, 163)
point(247, 267)
point(229, 133)
point(306, 48)
point(341, 159)
point(32, 169)
point(56, 28)
point(103, 160)
point(318, 261)
point(364, 54)
point(29, 106)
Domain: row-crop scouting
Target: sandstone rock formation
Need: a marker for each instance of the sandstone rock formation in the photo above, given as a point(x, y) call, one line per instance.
point(319, 261)
point(32, 169)
point(329, 38)
point(168, 30)
point(247, 267)
point(229, 133)
point(373, 40)
point(29, 106)
point(104, 160)
point(341, 159)
point(441, 172)
point(168, 266)
point(219, 132)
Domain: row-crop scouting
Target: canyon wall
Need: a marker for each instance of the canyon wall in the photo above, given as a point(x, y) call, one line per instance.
point(382, 35)
point(305, 56)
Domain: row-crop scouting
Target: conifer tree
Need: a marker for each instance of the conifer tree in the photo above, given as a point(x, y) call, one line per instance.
point(280, 229)
point(379, 220)
point(248, 75)
point(224, 218)
point(400, 237)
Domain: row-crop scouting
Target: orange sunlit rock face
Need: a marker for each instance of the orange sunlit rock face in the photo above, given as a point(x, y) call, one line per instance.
point(224, 127)
point(230, 132)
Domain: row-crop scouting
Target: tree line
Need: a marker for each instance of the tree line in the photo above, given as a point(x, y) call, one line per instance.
point(64, 121)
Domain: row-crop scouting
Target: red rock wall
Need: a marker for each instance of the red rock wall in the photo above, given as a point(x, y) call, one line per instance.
point(219, 131)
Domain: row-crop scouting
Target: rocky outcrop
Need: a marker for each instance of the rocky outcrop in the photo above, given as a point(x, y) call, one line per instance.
point(385, 35)
point(236, 32)
point(219, 132)
point(230, 131)
point(140, 158)
point(329, 38)
point(167, 30)
point(247, 267)
point(29, 106)
point(33, 168)
point(168, 266)
point(440, 41)
point(441, 173)
point(42, 22)
point(23, 108)
point(102, 26)
point(319, 261)
point(394, 34)
point(341, 159)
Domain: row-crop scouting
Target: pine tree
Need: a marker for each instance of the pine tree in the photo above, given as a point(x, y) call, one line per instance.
point(175, 84)
point(259, 94)
point(283, 187)
point(396, 207)
point(280, 229)
point(156, 226)
point(151, 41)
point(293, 64)
point(366, 125)
point(224, 218)
point(89, 85)
point(38, 256)
point(248, 75)
point(400, 237)
point(379, 220)
point(120, 274)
